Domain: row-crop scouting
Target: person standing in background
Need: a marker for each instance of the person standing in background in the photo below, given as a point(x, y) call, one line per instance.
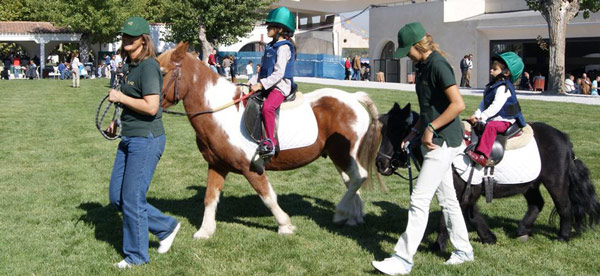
point(249, 70)
point(75, 70)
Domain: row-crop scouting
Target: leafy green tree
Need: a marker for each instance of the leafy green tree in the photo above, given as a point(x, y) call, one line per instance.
point(23, 10)
point(204, 23)
point(557, 14)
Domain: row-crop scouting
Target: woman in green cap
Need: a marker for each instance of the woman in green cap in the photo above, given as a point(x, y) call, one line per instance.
point(142, 144)
point(276, 76)
point(440, 105)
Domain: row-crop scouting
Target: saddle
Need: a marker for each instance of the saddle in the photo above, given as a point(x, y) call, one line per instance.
point(514, 137)
point(253, 123)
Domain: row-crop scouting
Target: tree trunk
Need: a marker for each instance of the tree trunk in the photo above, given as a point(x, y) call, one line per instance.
point(558, 13)
point(207, 47)
point(84, 48)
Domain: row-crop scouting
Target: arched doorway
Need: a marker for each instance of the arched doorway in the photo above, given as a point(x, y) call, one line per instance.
point(253, 47)
point(387, 64)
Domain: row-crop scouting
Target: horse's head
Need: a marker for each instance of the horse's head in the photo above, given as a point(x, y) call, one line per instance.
point(182, 72)
point(171, 63)
point(397, 124)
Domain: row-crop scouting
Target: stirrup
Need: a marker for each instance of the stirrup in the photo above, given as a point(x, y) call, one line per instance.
point(266, 148)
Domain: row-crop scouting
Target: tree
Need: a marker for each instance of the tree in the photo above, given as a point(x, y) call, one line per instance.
point(557, 14)
point(204, 23)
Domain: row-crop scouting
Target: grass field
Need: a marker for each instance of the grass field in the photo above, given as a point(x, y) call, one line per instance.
point(55, 218)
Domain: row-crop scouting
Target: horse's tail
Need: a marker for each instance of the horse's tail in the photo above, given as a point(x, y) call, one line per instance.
point(585, 208)
point(367, 151)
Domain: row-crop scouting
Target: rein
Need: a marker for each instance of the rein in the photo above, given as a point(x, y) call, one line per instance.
point(116, 117)
point(395, 162)
point(176, 78)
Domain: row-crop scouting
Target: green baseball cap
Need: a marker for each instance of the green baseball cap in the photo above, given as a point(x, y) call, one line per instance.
point(135, 26)
point(410, 34)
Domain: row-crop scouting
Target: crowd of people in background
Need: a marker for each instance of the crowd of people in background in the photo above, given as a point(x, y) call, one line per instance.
point(20, 65)
point(356, 69)
point(16, 65)
point(586, 84)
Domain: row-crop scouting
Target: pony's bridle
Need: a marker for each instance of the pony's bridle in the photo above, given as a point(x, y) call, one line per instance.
point(175, 78)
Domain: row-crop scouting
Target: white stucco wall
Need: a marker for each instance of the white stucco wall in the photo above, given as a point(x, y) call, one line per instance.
point(455, 10)
point(346, 38)
point(254, 36)
point(505, 5)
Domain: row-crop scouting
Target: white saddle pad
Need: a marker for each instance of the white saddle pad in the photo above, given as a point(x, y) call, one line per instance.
point(518, 166)
point(297, 128)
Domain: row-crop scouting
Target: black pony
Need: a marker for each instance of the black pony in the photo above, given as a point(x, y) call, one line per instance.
point(566, 178)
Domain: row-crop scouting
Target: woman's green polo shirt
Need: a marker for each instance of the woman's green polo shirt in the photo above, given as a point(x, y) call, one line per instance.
point(143, 78)
point(434, 75)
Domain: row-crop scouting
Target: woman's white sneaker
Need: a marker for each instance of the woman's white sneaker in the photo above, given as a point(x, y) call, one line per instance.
point(393, 265)
point(165, 244)
point(459, 257)
point(123, 264)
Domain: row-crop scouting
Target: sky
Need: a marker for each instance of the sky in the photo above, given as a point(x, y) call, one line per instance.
point(361, 21)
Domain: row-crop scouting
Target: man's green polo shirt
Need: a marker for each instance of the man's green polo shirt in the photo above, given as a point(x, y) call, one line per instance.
point(143, 78)
point(434, 75)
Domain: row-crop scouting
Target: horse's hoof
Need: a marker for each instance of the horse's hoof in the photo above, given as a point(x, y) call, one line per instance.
point(351, 222)
point(523, 238)
point(286, 229)
point(563, 239)
point(438, 247)
point(202, 235)
point(339, 219)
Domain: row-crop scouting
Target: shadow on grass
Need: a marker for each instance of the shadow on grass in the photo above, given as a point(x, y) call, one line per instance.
point(106, 221)
point(107, 224)
point(370, 235)
point(377, 229)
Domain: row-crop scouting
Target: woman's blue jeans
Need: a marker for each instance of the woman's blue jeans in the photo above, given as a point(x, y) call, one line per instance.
point(134, 166)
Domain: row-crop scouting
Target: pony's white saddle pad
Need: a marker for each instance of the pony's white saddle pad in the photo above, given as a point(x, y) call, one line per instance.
point(297, 127)
point(518, 166)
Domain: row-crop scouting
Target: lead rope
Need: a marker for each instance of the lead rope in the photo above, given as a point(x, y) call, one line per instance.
point(116, 117)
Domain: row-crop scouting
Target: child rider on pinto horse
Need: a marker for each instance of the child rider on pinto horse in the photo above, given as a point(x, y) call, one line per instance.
point(499, 108)
point(275, 78)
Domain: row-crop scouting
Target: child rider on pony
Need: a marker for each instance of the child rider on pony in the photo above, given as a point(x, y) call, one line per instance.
point(275, 78)
point(499, 108)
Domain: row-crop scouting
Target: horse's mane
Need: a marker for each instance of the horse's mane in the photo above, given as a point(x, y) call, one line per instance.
point(166, 55)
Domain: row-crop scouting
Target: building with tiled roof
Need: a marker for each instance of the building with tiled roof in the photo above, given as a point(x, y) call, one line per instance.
point(36, 37)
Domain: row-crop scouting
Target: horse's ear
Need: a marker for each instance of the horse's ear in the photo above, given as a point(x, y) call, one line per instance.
point(180, 51)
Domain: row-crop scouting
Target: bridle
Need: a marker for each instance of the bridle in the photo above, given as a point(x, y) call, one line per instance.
point(395, 161)
point(175, 80)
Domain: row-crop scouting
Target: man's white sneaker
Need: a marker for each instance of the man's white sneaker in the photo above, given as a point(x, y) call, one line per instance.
point(459, 257)
point(123, 265)
point(165, 244)
point(393, 265)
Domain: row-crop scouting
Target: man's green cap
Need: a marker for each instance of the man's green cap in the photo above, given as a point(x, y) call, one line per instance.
point(135, 26)
point(410, 34)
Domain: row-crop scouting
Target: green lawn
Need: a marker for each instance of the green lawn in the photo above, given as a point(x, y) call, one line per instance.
point(55, 218)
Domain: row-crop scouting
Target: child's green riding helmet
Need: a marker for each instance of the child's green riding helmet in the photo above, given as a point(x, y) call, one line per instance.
point(513, 62)
point(282, 17)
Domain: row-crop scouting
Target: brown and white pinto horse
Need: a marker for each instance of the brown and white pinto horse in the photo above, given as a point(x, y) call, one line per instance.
point(348, 133)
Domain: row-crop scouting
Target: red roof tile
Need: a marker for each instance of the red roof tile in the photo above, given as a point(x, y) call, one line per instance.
point(21, 27)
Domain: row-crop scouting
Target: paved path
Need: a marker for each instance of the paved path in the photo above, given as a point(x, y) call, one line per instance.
point(529, 95)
